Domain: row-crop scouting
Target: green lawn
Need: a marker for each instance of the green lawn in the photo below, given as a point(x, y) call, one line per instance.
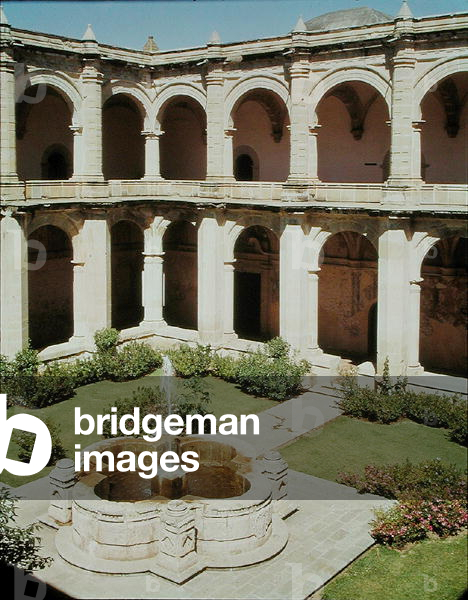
point(348, 444)
point(429, 569)
point(93, 399)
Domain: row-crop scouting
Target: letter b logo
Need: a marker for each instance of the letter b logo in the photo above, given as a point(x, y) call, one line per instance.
point(42, 444)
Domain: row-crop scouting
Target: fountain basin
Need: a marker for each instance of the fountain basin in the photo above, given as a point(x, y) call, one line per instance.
point(177, 524)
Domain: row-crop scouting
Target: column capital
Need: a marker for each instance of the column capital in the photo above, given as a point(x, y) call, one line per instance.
point(215, 77)
point(90, 74)
point(152, 135)
point(230, 131)
point(76, 129)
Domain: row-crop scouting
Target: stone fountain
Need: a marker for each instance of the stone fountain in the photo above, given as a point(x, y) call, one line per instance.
point(229, 513)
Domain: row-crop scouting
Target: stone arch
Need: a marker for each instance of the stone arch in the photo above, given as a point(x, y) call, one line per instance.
point(181, 120)
point(346, 75)
point(250, 84)
point(436, 73)
point(127, 247)
point(180, 267)
point(256, 283)
point(135, 92)
point(172, 91)
point(444, 306)
point(63, 84)
point(50, 284)
point(61, 170)
point(69, 224)
point(347, 291)
point(123, 145)
point(249, 152)
point(353, 134)
point(257, 113)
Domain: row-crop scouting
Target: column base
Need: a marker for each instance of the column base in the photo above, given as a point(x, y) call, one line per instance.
point(410, 182)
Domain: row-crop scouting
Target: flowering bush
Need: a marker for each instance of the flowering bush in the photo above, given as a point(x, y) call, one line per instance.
point(407, 481)
point(416, 520)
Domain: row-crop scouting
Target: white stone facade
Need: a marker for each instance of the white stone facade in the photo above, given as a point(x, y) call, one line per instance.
point(390, 211)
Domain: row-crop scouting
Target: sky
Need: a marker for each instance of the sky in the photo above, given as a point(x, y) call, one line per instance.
point(187, 23)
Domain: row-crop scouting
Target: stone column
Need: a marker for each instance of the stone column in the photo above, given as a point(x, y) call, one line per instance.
point(303, 163)
point(405, 152)
point(413, 327)
point(292, 286)
point(229, 270)
point(92, 281)
point(88, 146)
point(152, 163)
point(7, 112)
point(228, 163)
point(210, 280)
point(311, 312)
point(215, 125)
point(14, 324)
point(153, 284)
point(393, 319)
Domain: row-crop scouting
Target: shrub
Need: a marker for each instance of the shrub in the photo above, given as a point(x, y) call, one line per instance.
point(54, 384)
point(191, 362)
point(225, 367)
point(391, 401)
point(190, 398)
point(278, 379)
point(18, 546)
point(460, 433)
point(86, 370)
point(416, 520)
point(25, 441)
point(26, 362)
point(435, 410)
point(278, 348)
point(132, 361)
point(106, 340)
point(425, 480)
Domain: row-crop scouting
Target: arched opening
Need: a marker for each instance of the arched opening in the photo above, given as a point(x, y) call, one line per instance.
point(444, 307)
point(123, 146)
point(444, 132)
point(243, 170)
point(44, 141)
point(50, 287)
point(256, 284)
point(56, 163)
point(127, 245)
point(353, 137)
point(348, 296)
point(260, 120)
point(180, 275)
point(183, 144)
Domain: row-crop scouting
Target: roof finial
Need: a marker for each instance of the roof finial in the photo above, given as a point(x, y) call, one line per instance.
point(150, 45)
point(300, 26)
point(3, 19)
point(405, 11)
point(215, 38)
point(89, 35)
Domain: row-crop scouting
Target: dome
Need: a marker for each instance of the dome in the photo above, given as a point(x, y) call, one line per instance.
point(342, 19)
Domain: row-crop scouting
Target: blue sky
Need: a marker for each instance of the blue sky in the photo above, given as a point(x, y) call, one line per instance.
point(185, 23)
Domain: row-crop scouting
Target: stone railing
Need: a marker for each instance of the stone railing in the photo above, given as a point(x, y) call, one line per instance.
point(443, 197)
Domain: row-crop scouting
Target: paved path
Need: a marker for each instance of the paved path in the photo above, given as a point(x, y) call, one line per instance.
point(289, 420)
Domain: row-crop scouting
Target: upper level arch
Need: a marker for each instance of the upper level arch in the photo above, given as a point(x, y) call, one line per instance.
point(345, 75)
point(133, 91)
point(254, 83)
point(171, 91)
point(436, 73)
point(56, 80)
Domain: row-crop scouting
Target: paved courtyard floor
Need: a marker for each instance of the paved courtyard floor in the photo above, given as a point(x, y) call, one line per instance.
point(329, 529)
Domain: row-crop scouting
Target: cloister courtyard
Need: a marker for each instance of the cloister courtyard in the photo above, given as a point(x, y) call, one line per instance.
point(282, 221)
